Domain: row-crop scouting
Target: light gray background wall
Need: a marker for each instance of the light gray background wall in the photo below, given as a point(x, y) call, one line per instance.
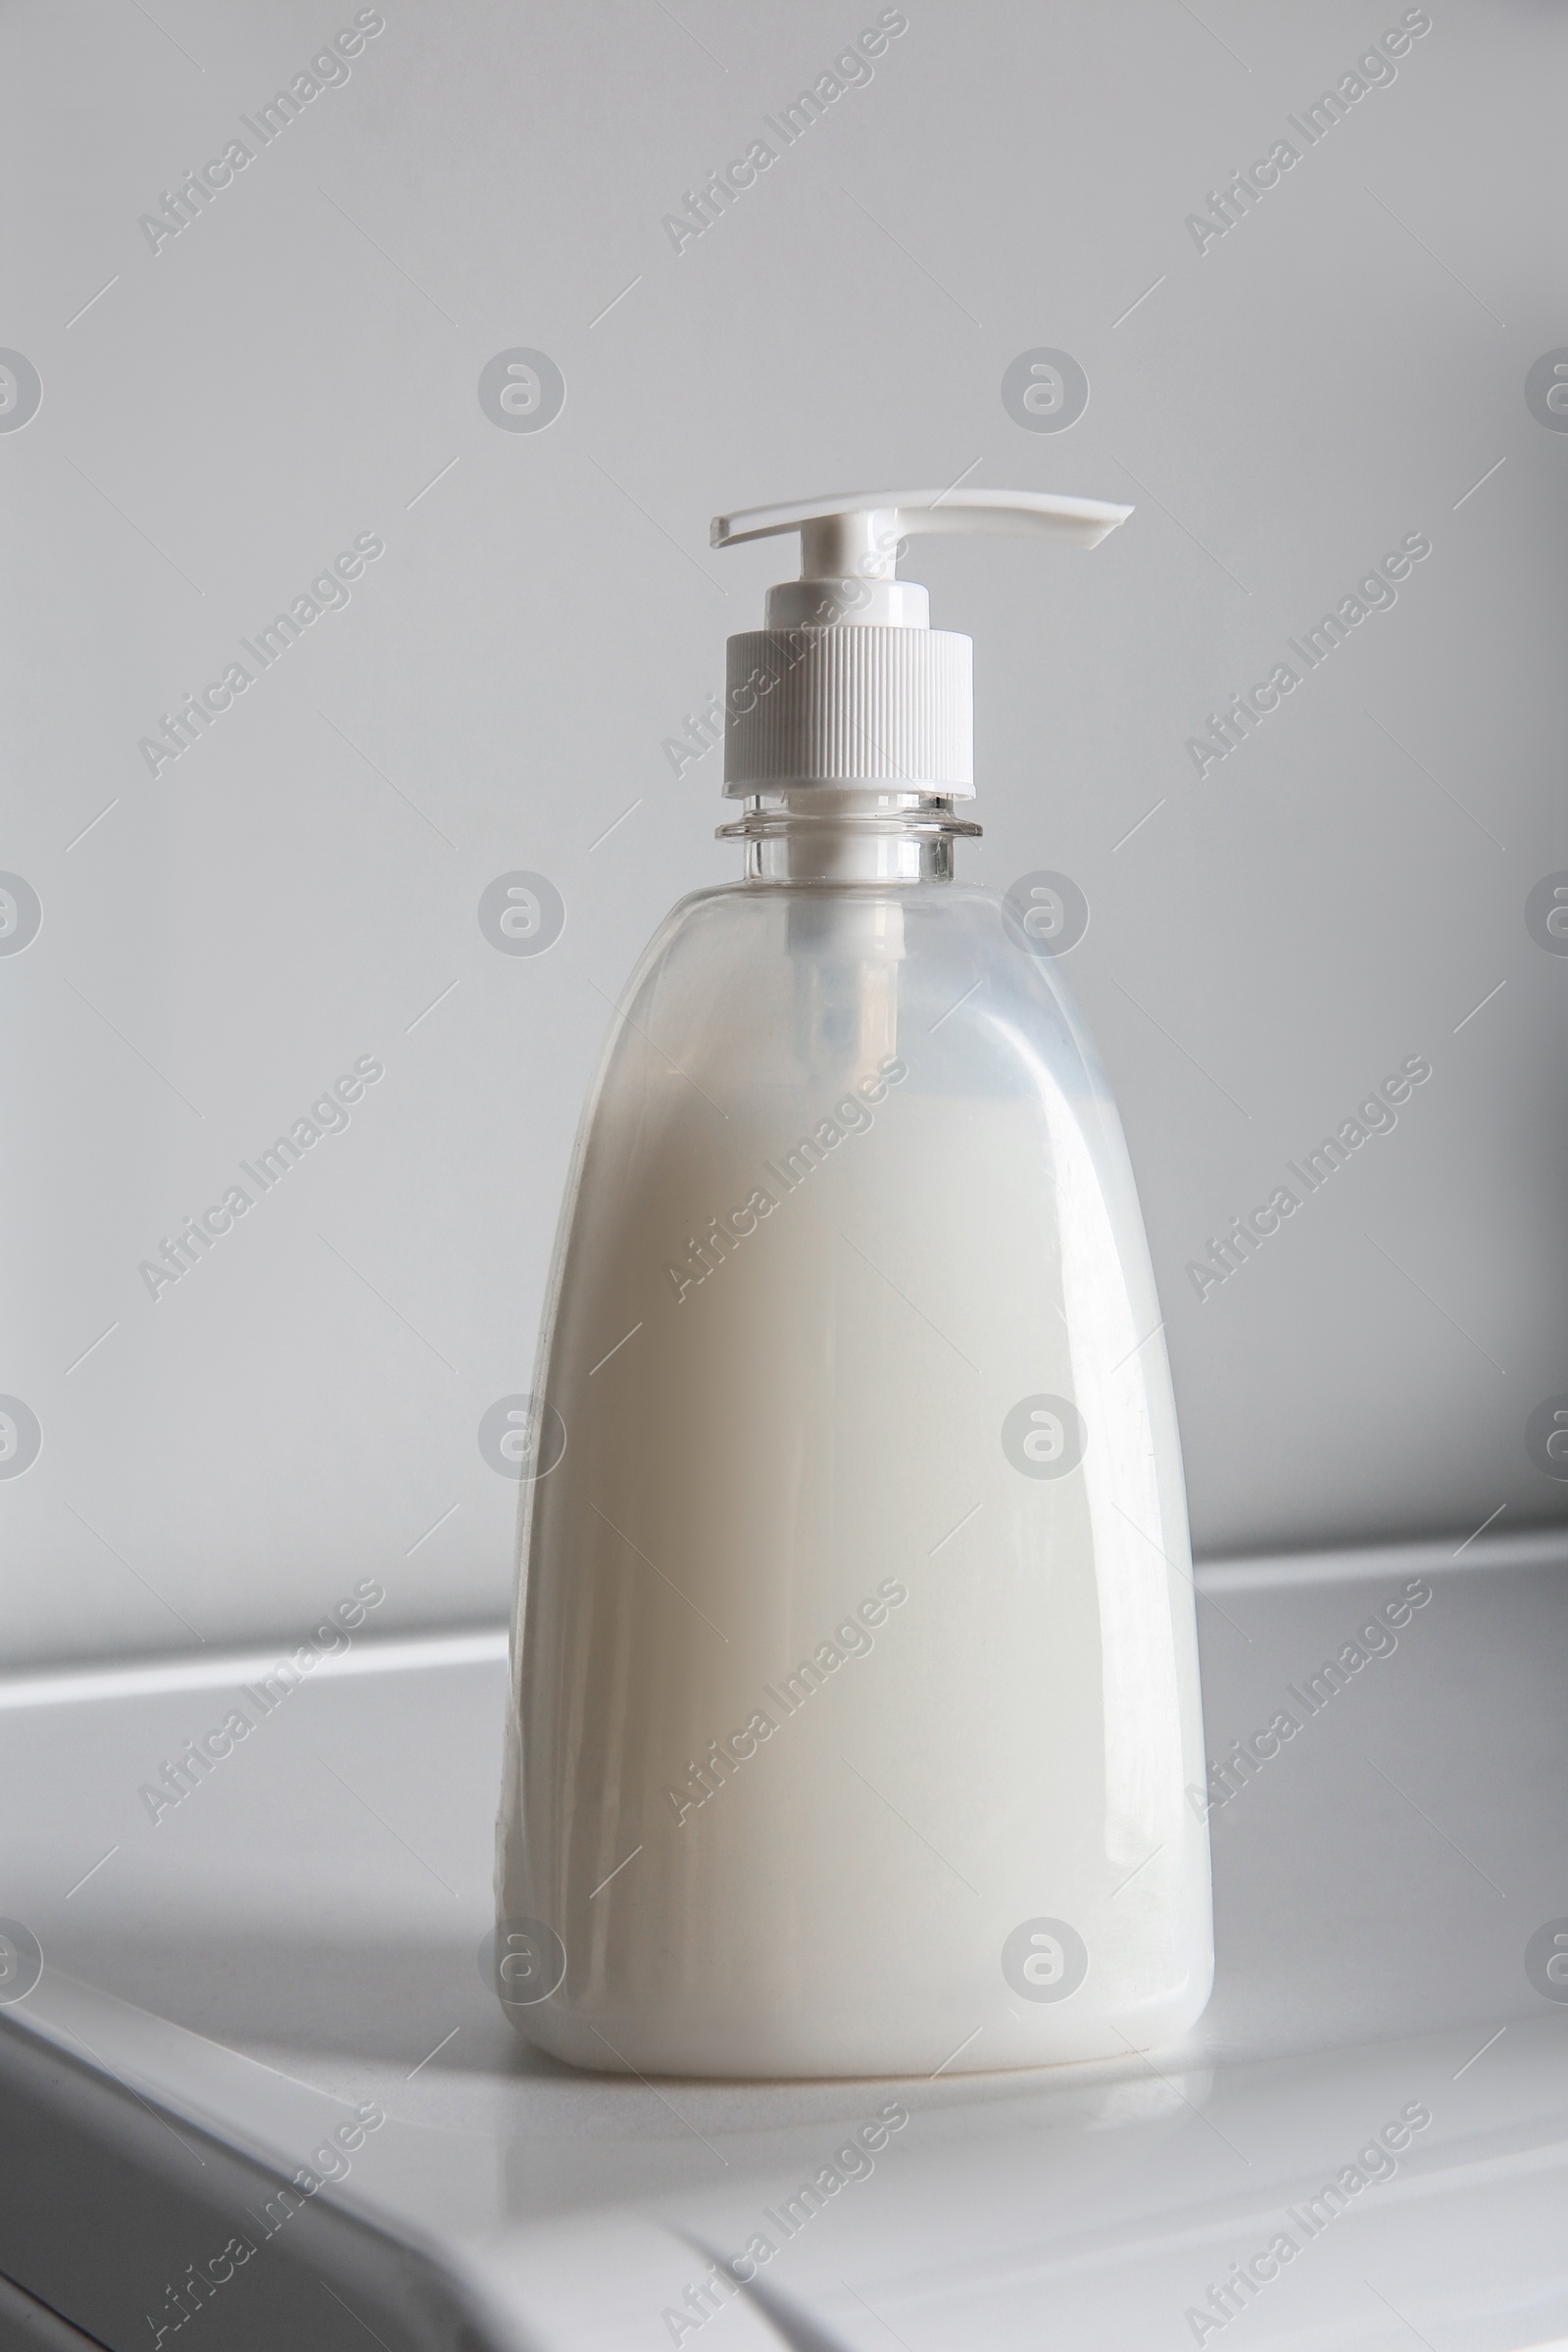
point(300, 366)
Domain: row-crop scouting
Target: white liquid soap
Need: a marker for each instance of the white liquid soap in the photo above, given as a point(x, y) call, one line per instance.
point(856, 1683)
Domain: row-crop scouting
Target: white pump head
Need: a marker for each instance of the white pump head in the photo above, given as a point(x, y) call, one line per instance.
point(849, 687)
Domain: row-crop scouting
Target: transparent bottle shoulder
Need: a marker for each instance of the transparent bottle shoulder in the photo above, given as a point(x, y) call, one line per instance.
point(793, 984)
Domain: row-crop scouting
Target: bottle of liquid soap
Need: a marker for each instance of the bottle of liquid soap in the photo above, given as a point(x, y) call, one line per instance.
point(855, 1668)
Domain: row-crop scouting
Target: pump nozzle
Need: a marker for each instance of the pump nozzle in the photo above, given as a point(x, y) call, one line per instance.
point(857, 535)
point(848, 685)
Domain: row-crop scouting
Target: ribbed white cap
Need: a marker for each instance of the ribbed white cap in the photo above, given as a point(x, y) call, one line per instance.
point(862, 708)
point(848, 688)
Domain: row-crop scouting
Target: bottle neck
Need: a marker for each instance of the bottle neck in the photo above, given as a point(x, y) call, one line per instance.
point(801, 834)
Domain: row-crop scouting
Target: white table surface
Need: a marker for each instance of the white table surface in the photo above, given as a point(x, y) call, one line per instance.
point(300, 1938)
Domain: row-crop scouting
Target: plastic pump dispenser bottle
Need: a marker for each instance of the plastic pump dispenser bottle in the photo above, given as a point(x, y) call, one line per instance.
point(855, 1666)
